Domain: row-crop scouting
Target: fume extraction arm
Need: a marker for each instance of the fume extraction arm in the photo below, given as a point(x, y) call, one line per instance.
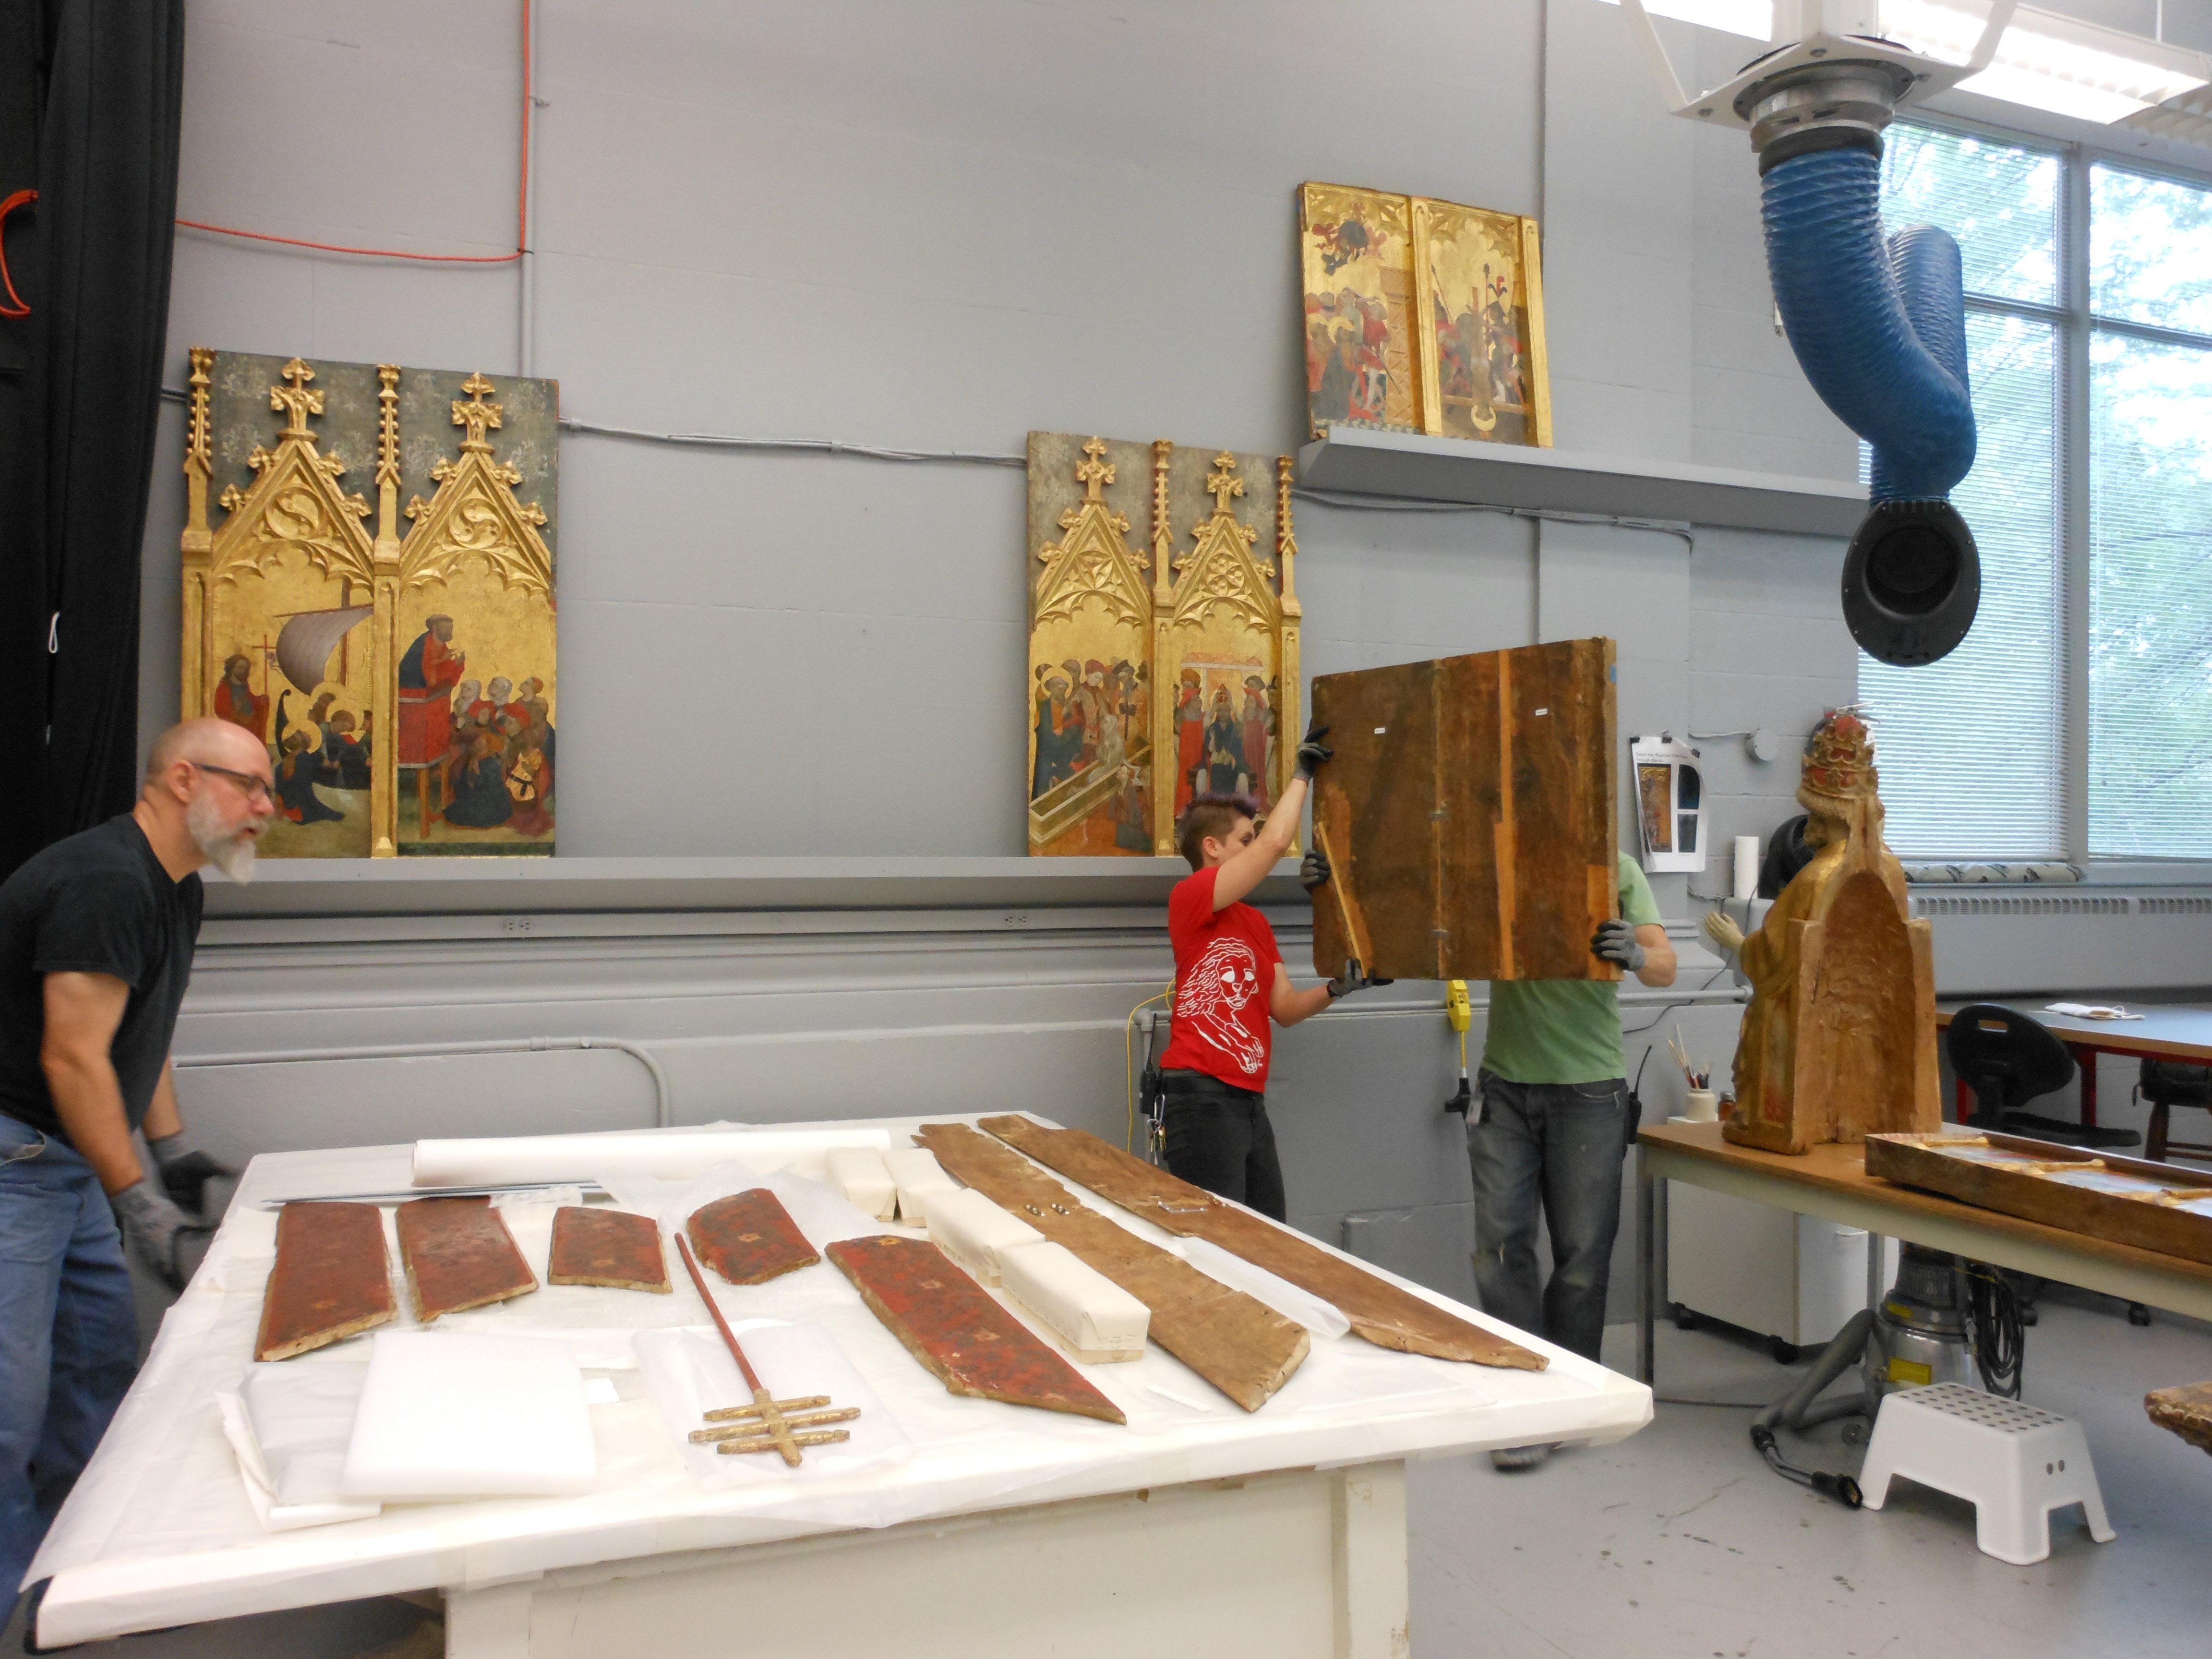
point(1878, 326)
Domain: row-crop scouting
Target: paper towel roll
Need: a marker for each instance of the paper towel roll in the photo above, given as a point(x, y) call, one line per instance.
point(1747, 866)
point(666, 1153)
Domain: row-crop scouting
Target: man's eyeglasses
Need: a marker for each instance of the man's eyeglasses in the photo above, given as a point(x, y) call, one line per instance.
point(248, 786)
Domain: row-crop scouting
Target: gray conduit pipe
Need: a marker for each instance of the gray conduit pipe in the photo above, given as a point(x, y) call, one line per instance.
point(664, 1102)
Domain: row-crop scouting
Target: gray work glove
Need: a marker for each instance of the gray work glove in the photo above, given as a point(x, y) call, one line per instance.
point(1313, 869)
point(1616, 942)
point(1354, 978)
point(1312, 752)
point(158, 1229)
point(186, 1170)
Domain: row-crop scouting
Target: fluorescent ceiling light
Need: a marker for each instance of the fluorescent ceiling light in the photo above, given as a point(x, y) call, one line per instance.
point(2050, 62)
point(1753, 18)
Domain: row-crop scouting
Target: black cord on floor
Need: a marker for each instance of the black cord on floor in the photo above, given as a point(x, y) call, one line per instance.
point(2000, 1338)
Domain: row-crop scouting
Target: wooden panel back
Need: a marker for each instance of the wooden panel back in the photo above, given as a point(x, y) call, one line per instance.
point(1469, 815)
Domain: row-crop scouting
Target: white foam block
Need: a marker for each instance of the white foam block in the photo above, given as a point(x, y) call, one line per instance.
point(918, 1173)
point(972, 1230)
point(447, 1415)
point(1096, 1318)
point(861, 1174)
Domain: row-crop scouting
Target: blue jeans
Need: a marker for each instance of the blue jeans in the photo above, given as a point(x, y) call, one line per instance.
point(68, 1332)
point(1559, 1145)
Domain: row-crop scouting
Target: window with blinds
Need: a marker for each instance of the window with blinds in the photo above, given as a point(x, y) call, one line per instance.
point(1970, 748)
point(2150, 500)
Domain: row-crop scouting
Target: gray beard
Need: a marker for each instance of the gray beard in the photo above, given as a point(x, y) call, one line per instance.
point(229, 850)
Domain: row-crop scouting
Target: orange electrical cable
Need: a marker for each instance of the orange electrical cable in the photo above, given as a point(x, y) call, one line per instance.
point(15, 305)
point(521, 205)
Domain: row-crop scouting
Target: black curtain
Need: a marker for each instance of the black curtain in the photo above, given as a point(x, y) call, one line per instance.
point(91, 95)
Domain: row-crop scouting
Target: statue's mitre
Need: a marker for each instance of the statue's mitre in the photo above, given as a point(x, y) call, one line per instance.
point(1839, 758)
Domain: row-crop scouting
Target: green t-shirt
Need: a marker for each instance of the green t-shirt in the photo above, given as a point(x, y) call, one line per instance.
point(1565, 1030)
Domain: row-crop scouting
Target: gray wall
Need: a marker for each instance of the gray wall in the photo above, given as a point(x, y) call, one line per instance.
point(938, 227)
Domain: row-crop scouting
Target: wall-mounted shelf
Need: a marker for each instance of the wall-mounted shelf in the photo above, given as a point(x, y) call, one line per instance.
point(495, 886)
point(1357, 461)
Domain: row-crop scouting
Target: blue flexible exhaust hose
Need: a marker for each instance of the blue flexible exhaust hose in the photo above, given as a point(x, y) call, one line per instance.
point(1879, 329)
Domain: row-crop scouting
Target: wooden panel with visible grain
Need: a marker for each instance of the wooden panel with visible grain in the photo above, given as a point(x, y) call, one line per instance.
point(1383, 1313)
point(2146, 1224)
point(1470, 815)
point(612, 1248)
point(959, 1333)
point(749, 1238)
point(2186, 1410)
point(332, 1278)
point(1241, 1345)
point(459, 1255)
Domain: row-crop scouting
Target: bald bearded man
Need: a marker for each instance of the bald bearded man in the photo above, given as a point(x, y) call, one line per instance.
point(96, 939)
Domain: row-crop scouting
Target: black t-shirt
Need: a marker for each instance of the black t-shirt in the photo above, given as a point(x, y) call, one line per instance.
point(99, 902)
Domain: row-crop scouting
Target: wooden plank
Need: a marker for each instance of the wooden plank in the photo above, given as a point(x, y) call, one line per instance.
point(749, 1237)
point(1242, 1346)
point(1470, 814)
point(1385, 1314)
point(609, 1248)
point(332, 1278)
point(2032, 1195)
point(459, 1255)
point(2187, 1411)
point(950, 1324)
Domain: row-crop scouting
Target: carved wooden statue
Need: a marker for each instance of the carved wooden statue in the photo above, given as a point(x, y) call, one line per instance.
point(1840, 1040)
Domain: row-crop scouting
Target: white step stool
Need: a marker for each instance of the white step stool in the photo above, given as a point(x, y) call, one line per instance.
point(2014, 1463)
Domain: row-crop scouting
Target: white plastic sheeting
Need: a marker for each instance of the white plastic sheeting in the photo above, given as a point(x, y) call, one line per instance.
point(161, 1531)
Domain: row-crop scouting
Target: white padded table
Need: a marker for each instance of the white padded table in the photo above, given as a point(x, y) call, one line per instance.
point(1008, 1530)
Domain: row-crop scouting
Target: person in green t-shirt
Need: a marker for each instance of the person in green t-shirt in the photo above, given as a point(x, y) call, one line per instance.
point(1550, 1132)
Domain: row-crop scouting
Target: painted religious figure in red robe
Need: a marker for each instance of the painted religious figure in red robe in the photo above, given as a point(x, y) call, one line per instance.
point(428, 674)
point(237, 702)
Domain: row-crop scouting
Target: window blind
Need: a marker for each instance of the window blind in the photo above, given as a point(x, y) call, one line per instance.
point(2150, 539)
point(1970, 748)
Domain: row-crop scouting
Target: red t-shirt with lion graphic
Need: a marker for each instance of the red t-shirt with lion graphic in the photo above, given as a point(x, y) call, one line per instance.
point(1225, 962)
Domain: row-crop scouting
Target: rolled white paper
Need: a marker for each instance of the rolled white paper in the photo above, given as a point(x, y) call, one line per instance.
point(918, 1173)
point(1747, 866)
point(666, 1153)
point(973, 1231)
point(1090, 1313)
point(860, 1174)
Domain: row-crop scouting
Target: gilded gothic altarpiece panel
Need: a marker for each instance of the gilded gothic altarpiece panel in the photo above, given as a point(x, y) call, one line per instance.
point(1163, 660)
point(399, 660)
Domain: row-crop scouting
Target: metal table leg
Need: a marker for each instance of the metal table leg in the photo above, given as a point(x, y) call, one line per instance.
point(1877, 1249)
point(1647, 1240)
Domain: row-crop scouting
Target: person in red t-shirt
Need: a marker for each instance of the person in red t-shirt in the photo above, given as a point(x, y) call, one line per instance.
point(1229, 979)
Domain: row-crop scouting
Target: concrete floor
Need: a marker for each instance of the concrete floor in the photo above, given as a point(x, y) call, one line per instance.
point(1679, 1543)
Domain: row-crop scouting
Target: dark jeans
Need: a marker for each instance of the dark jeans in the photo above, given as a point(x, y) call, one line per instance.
point(1557, 1145)
point(69, 1334)
point(1218, 1138)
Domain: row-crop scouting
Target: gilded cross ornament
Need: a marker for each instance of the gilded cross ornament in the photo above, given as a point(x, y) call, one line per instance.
point(476, 414)
point(294, 401)
point(1223, 484)
point(1094, 471)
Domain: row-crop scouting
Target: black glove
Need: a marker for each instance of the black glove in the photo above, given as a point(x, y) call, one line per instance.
point(157, 1229)
point(1616, 942)
point(186, 1170)
point(1354, 978)
point(1313, 869)
point(1312, 752)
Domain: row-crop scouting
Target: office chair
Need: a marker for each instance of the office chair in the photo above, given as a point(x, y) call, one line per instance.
point(2008, 1059)
point(2167, 1084)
